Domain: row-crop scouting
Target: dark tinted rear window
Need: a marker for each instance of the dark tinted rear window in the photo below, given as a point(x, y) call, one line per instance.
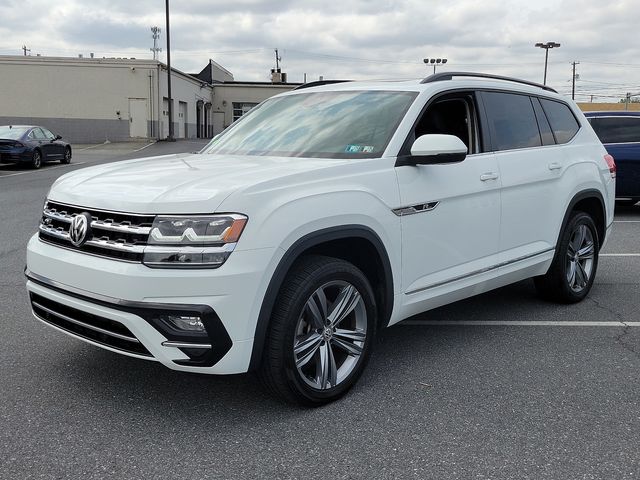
point(563, 123)
point(512, 121)
point(617, 129)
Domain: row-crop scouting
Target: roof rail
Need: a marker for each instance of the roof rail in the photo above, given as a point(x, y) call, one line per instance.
point(449, 76)
point(319, 83)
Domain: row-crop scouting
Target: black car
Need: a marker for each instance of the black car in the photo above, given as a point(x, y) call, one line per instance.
point(32, 145)
point(620, 134)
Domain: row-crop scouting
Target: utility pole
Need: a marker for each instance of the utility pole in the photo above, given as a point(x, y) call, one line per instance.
point(573, 81)
point(170, 137)
point(156, 36)
point(25, 50)
point(627, 100)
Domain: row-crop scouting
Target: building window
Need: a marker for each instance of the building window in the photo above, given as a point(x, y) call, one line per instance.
point(240, 109)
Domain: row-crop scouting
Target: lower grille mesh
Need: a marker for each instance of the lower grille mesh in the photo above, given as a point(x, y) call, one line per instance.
point(86, 325)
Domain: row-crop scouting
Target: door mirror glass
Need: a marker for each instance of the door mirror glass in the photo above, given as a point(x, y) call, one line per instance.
point(437, 148)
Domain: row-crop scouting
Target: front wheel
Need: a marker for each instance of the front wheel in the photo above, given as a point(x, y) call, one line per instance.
point(321, 332)
point(573, 270)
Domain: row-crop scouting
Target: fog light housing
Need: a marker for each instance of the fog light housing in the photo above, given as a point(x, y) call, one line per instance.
point(185, 323)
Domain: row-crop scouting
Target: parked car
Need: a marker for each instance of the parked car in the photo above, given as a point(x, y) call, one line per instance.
point(32, 145)
point(620, 133)
point(323, 215)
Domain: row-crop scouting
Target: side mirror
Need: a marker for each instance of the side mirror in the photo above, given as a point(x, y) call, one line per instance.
point(434, 149)
point(58, 137)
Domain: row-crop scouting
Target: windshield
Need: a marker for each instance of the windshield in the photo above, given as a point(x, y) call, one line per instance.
point(349, 124)
point(13, 133)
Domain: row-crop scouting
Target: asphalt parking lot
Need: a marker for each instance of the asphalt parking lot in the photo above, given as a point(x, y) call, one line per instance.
point(503, 385)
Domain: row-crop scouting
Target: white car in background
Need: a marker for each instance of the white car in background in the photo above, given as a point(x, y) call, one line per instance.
point(322, 216)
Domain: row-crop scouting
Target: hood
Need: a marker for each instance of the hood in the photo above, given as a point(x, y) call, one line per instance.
point(182, 183)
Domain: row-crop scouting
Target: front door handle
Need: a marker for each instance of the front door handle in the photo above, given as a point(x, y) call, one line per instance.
point(554, 166)
point(488, 176)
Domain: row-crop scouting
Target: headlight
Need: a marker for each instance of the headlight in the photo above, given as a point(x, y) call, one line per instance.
point(193, 241)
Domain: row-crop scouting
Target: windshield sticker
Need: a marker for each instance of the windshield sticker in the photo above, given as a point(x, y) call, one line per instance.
point(359, 149)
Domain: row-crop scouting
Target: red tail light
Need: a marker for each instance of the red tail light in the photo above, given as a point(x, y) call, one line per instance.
point(611, 163)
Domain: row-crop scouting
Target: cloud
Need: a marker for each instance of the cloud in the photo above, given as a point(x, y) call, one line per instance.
point(361, 39)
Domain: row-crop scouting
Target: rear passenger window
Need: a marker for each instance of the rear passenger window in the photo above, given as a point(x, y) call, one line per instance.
point(563, 122)
point(617, 129)
point(511, 120)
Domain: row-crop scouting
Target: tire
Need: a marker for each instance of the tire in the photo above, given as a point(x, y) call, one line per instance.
point(67, 156)
point(571, 274)
point(36, 159)
point(307, 359)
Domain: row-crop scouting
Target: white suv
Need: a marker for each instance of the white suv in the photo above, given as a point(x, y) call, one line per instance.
point(323, 215)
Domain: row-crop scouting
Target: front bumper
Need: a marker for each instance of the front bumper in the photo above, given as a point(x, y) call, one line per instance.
point(74, 284)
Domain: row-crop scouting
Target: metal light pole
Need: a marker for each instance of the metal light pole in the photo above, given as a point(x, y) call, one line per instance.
point(546, 47)
point(170, 137)
point(434, 62)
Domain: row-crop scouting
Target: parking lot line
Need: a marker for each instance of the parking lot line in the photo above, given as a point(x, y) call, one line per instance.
point(41, 170)
point(519, 323)
point(620, 254)
point(626, 221)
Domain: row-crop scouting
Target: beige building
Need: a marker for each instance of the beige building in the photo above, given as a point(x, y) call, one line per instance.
point(117, 99)
point(605, 107)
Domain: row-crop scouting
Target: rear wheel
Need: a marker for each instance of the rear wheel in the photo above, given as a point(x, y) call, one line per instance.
point(321, 332)
point(36, 159)
point(573, 270)
point(67, 156)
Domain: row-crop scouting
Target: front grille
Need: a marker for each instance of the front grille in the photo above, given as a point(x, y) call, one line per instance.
point(122, 236)
point(86, 325)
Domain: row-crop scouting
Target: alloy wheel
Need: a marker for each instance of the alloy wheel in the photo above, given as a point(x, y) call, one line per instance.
point(580, 258)
point(330, 335)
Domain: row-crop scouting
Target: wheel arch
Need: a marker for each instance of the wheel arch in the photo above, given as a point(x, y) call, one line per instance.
point(592, 202)
point(354, 243)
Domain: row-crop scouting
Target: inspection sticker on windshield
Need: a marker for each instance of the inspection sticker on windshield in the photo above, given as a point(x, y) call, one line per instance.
point(359, 149)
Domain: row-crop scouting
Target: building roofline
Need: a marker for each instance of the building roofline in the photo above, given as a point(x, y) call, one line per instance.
point(264, 84)
point(88, 61)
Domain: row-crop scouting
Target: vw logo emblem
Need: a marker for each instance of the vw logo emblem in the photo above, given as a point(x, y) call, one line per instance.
point(79, 229)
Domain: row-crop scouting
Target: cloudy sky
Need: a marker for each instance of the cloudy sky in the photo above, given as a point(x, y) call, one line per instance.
point(355, 39)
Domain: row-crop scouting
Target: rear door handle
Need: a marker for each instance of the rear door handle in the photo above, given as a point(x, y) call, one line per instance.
point(488, 176)
point(554, 166)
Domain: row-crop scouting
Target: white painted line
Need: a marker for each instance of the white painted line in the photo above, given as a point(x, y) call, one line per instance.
point(142, 148)
point(626, 221)
point(45, 169)
point(518, 323)
point(620, 254)
point(92, 146)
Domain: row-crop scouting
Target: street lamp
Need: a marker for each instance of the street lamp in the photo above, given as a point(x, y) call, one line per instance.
point(434, 62)
point(546, 47)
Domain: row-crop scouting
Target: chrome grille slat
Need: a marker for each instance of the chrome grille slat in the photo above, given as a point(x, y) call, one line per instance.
point(53, 231)
point(118, 227)
point(85, 325)
point(112, 245)
point(54, 215)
